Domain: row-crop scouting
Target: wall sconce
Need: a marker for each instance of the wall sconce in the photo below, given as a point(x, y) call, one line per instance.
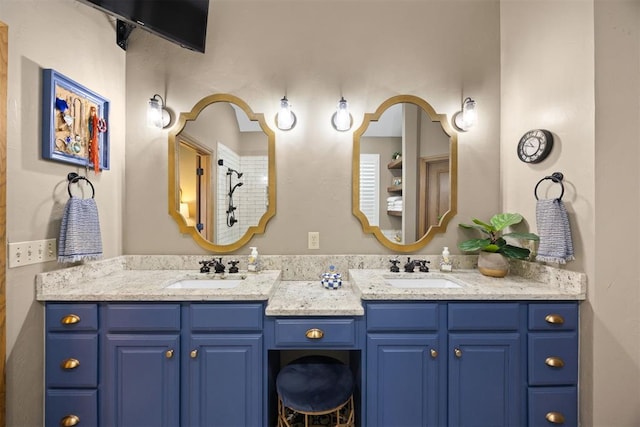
point(285, 119)
point(157, 114)
point(341, 119)
point(466, 118)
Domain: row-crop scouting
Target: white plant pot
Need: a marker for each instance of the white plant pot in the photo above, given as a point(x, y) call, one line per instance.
point(493, 264)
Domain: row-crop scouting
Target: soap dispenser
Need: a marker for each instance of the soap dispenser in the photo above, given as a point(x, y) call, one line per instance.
point(252, 265)
point(445, 262)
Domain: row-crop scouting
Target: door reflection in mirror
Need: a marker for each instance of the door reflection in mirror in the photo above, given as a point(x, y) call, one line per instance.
point(222, 204)
point(405, 187)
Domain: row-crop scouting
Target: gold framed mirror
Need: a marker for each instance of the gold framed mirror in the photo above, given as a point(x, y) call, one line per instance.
point(405, 173)
point(222, 182)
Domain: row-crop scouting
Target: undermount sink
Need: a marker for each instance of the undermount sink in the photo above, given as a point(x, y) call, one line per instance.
point(205, 284)
point(422, 282)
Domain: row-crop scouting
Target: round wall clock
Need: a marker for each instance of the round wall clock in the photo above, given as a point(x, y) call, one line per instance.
point(535, 145)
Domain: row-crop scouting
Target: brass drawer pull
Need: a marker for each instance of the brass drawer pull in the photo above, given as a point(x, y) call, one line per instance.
point(169, 354)
point(69, 364)
point(193, 354)
point(457, 352)
point(555, 417)
point(70, 319)
point(314, 334)
point(434, 353)
point(554, 362)
point(554, 319)
point(69, 421)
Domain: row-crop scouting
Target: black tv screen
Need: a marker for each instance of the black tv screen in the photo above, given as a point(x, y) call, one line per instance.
point(181, 21)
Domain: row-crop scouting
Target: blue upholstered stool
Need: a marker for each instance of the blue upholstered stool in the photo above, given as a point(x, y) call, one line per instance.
point(315, 386)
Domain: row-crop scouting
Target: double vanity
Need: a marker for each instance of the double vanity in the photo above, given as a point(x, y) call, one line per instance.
point(150, 341)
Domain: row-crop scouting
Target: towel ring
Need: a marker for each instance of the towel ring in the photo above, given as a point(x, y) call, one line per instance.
point(556, 177)
point(74, 178)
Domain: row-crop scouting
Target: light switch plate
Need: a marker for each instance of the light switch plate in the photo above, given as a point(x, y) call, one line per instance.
point(33, 252)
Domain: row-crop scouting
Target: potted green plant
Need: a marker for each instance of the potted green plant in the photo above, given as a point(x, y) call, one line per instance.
point(495, 252)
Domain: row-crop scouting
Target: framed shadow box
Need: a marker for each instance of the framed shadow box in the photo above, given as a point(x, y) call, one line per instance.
point(74, 123)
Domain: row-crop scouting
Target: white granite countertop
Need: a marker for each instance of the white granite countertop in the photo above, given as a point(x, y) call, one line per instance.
point(370, 285)
point(151, 285)
point(145, 278)
point(310, 298)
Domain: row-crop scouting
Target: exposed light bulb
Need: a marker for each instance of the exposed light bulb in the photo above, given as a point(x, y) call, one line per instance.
point(342, 119)
point(154, 113)
point(467, 117)
point(285, 119)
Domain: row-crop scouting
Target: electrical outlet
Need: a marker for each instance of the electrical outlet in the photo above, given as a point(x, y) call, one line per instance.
point(314, 240)
point(25, 253)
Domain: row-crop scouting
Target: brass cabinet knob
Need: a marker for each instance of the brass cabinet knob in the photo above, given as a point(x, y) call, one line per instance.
point(70, 319)
point(555, 417)
point(554, 319)
point(193, 354)
point(314, 334)
point(434, 353)
point(69, 364)
point(554, 362)
point(169, 354)
point(69, 421)
point(457, 352)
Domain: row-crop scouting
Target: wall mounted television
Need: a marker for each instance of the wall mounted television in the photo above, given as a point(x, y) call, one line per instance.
point(180, 21)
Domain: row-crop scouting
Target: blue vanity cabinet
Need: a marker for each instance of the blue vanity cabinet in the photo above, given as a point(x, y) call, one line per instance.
point(71, 366)
point(405, 364)
point(223, 370)
point(486, 359)
point(141, 365)
point(553, 364)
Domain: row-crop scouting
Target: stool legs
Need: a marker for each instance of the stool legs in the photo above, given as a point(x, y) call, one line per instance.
point(342, 416)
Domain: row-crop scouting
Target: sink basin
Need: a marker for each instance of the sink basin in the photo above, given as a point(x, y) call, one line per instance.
point(422, 282)
point(205, 284)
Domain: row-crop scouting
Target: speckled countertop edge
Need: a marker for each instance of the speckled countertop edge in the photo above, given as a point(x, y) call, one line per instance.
point(310, 298)
point(370, 285)
point(294, 288)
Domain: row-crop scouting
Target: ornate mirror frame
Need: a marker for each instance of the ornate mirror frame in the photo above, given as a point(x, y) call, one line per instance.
point(174, 184)
point(453, 174)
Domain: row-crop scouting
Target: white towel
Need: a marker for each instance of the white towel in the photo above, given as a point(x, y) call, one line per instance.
point(80, 231)
point(556, 244)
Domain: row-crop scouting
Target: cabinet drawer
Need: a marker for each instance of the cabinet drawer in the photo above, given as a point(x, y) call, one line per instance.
point(484, 316)
point(72, 360)
point(226, 317)
point(553, 406)
point(553, 317)
point(553, 358)
point(315, 332)
point(402, 317)
point(141, 317)
point(72, 317)
point(61, 404)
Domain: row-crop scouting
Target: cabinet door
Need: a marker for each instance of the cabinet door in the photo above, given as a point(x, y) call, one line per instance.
point(225, 380)
point(485, 380)
point(404, 381)
point(141, 381)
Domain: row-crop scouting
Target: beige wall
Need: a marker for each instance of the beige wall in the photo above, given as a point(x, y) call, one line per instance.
point(612, 352)
point(548, 76)
point(316, 51)
point(78, 42)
